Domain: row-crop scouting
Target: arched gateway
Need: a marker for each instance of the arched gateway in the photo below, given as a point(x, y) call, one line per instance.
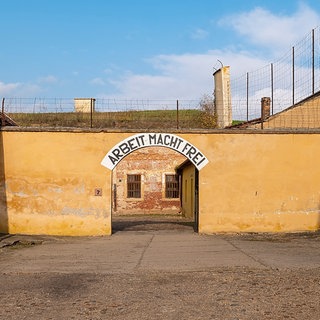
point(151, 195)
point(142, 140)
point(254, 181)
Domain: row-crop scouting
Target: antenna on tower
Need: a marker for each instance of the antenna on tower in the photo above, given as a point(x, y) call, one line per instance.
point(216, 69)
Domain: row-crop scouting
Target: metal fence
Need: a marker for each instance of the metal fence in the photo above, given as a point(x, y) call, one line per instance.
point(294, 77)
point(108, 113)
point(288, 81)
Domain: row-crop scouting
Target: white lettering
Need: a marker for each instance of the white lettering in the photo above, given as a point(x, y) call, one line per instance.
point(172, 141)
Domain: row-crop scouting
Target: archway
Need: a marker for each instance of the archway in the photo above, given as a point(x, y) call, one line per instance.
point(155, 174)
point(138, 141)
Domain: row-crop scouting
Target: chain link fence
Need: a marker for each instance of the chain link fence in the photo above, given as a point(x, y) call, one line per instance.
point(108, 113)
point(292, 82)
point(288, 82)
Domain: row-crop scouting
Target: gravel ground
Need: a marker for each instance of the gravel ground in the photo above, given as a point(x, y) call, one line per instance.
point(217, 293)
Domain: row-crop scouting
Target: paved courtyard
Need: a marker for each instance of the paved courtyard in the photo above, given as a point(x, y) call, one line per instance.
point(160, 269)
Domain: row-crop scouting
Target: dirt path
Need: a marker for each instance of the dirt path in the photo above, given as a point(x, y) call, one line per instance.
point(160, 269)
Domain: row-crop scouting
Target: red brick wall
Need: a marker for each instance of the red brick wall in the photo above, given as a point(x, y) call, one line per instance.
point(152, 163)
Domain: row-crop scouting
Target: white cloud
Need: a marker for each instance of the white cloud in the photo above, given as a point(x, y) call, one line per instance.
point(18, 89)
point(97, 81)
point(7, 88)
point(273, 31)
point(49, 79)
point(199, 34)
point(187, 76)
point(108, 71)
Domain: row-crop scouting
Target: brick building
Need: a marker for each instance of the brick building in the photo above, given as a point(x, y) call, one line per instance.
point(145, 182)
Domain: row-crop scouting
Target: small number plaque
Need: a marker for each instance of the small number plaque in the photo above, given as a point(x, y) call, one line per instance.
point(98, 192)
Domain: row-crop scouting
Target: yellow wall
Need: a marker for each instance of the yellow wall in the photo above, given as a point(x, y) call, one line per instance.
point(253, 182)
point(188, 191)
point(260, 182)
point(306, 114)
point(3, 198)
point(51, 179)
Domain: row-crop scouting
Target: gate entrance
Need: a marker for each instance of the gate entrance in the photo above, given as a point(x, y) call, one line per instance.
point(152, 190)
point(154, 183)
point(151, 223)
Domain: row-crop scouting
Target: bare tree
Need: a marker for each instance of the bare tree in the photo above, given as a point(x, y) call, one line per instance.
point(207, 108)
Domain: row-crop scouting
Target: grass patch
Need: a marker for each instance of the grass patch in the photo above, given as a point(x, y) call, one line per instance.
point(236, 122)
point(190, 118)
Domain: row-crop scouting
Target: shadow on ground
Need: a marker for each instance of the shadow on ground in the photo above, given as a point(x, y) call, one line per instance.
point(151, 223)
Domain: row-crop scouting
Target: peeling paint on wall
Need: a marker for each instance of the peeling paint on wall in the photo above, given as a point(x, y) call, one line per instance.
point(257, 182)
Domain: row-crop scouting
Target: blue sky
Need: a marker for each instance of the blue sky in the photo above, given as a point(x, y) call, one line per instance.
point(141, 49)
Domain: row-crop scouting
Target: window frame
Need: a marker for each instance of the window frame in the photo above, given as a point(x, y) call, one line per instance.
point(134, 187)
point(171, 188)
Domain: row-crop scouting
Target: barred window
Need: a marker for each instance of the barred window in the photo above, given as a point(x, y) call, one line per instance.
point(134, 186)
point(172, 186)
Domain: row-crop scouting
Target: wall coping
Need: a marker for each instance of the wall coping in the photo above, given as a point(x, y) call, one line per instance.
point(159, 130)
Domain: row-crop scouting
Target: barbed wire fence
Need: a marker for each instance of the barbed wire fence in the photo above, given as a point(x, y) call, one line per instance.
point(107, 113)
point(288, 81)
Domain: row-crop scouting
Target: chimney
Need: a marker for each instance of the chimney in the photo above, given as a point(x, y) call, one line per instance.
point(265, 108)
point(222, 96)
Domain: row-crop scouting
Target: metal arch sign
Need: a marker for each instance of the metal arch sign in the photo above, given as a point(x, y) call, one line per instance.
point(142, 140)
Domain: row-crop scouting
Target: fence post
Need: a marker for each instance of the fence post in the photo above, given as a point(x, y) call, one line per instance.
point(91, 112)
point(312, 61)
point(3, 118)
point(293, 76)
point(177, 114)
point(247, 96)
point(272, 88)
